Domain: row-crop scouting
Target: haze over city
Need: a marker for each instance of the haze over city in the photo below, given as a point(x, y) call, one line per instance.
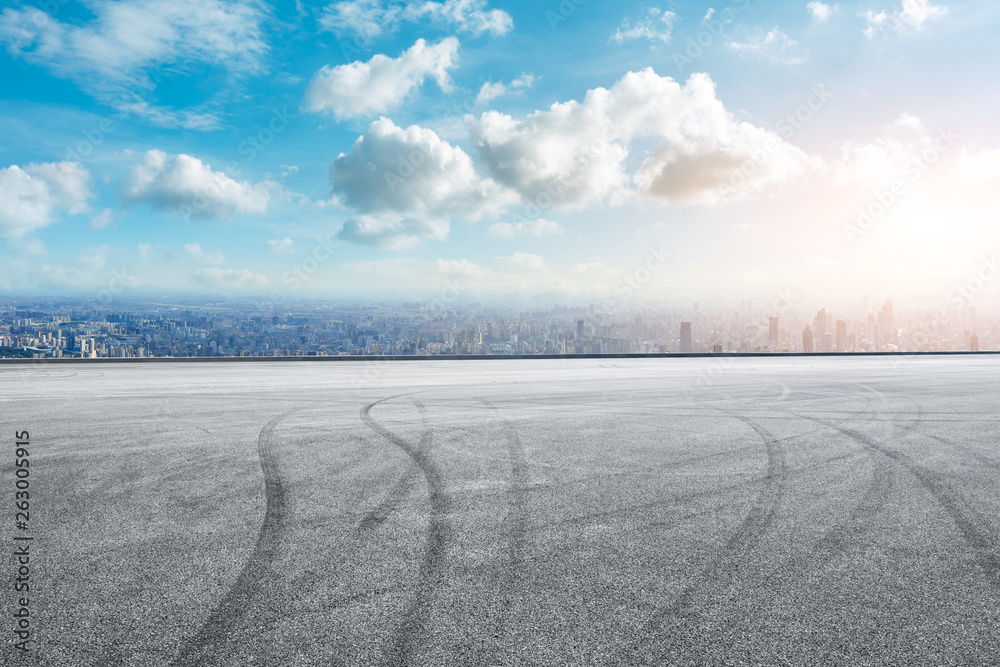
point(572, 152)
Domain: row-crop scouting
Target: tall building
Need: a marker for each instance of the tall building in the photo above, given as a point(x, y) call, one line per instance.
point(685, 338)
point(827, 341)
point(772, 331)
point(807, 340)
point(841, 336)
point(974, 342)
point(579, 328)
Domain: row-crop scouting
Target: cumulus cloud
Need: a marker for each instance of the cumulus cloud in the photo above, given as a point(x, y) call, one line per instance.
point(539, 227)
point(523, 262)
point(821, 12)
point(574, 153)
point(656, 25)
point(196, 251)
point(185, 185)
point(911, 14)
point(34, 196)
point(111, 53)
point(905, 151)
point(411, 173)
point(457, 268)
point(102, 219)
point(492, 90)
point(228, 278)
point(774, 46)
point(371, 18)
point(393, 232)
point(382, 83)
point(283, 246)
point(974, 168)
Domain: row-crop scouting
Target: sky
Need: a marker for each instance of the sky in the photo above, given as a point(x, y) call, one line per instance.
point(567, 151)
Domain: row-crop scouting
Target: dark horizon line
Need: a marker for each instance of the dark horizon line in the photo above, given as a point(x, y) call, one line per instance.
point(484, 357)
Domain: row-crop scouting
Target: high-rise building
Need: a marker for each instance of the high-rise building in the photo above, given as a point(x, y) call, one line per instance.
point(807, 340)
point(772, 331)
point(841, 336)
point(685, 338)
point(827, 341)
point(579, 328)
point(974, 342)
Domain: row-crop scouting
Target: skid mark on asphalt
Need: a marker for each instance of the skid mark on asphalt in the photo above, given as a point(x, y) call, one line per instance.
point(514, 527)
point(963, 516)
point(737, 550)
point(208, 643)
point(403, 486)
point(415, 625)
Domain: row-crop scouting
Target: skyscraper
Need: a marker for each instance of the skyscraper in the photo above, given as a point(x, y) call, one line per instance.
point(974, 342)
point(685, 338)
point(807, 340)
point(772, 331)
point(841, 336)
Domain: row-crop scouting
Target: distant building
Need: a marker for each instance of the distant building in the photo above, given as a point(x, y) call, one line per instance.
point(807, 340)
point(827, 341)
point(685, 338)
point(841, 336)
point(579, 328)
point(772, 331)
point(974, 342)
point(716, 348)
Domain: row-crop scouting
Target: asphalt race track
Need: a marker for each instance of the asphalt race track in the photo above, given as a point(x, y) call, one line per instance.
point(765, 511)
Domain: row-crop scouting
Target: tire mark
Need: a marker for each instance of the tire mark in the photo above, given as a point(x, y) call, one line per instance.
point(739, 545)
point(414, 627)
point(401, 489)
point(207, 644)
point(514, 526)
point(954, 505)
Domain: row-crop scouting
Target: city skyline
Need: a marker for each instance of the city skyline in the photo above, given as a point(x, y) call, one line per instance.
point(562, 152)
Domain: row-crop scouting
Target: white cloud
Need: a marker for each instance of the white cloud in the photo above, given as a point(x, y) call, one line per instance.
point(371, 18)
point(112, 52)
point(574, 153)
point(911, 14)
point(524, 262)
point(231, 278)
point(366, 18)
point(185, 185)
point(492, 90)
point(382, 83)
point(975, 168)
point(775, 46)
point(102, 219)
point(539, 227)
point(906, 121)
point(821, 12)
point(144, 249)
point(393, 232)
point(195, 250)
point(458, 268)
point(590, 267)
point(657, 25)
point(283, 246)
point(34, 196)
point(411, 173)
point(28, 247)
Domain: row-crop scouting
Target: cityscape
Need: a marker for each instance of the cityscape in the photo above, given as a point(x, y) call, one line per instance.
point(68, 328)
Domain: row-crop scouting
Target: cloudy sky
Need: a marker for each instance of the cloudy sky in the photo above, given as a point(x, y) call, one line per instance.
point(568, 150)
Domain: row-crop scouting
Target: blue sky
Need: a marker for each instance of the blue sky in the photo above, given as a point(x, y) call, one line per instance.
point(521, 149)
